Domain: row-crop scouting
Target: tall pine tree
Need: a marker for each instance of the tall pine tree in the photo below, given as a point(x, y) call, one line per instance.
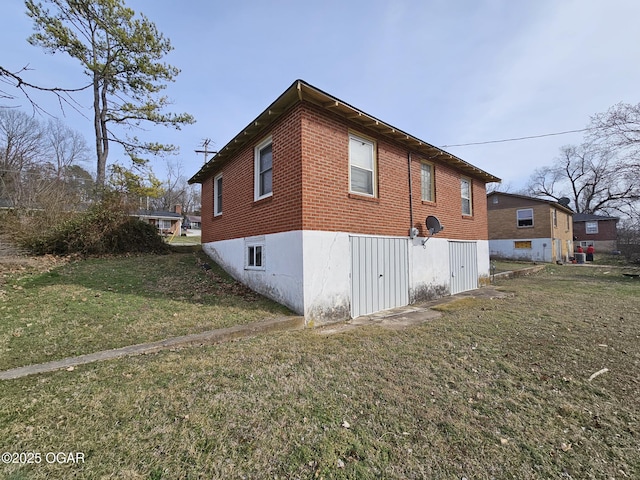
point(122, 55)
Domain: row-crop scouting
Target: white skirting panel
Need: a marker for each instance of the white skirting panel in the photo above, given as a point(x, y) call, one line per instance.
point(281, 276)
point(321, 275)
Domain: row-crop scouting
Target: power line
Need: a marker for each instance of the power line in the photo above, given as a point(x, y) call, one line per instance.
point(516, 139)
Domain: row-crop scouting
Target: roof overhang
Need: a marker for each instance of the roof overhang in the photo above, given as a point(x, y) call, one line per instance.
point(301, 91)
point(557, 205)
point(158, 216)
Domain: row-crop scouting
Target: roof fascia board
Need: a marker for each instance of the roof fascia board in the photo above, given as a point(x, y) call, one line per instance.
point(301, 91)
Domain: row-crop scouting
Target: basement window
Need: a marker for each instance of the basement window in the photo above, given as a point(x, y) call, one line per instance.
point(523, 244)
point(255, 257)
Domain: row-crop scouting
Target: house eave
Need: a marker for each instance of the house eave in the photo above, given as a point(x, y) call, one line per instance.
point(302, 91)
point(557, 205)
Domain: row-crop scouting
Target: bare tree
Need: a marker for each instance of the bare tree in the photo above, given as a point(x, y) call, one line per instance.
point(193, 199)
point(592, 176)
point(39, 164)
point(618, 128)
point(67, 147)
point(21, 146)
point(177, 191)
point(173, 188)
point(15, 79)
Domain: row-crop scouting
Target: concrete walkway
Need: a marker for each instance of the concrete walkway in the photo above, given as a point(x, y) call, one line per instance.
point(402, 317)
point(394, 318)
point(197, 339)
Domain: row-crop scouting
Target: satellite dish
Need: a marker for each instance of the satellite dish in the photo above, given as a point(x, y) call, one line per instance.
point(564, 201)
point(433, 225)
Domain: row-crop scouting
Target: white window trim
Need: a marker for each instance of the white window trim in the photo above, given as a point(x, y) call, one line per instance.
point(217, 211)
point(586, 228)
point(432, 182)
point(518, 219)
point(247, 257)
point(468, 180)
point(256, 169)
point(374, 183)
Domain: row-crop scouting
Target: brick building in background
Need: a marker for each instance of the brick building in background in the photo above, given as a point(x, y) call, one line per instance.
point(322, 208)
point(527, 228)
point(601, 231)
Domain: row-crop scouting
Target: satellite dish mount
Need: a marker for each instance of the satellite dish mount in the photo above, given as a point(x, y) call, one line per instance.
point(433, 227)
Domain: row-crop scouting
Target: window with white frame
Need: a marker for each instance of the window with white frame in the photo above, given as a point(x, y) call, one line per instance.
point(591, 228)
point(524, 217)
point(465, 193)
point(217, 195)
point(263, 169)
point(361, 166)
point(164, 224)
point(255, 256)
point(426, 182)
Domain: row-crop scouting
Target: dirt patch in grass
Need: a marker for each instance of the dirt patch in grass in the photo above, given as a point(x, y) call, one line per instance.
point(498, 389)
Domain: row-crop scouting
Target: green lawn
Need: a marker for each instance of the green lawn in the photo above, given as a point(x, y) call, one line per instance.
point(492, 389)
point(508, 266)
point(180, 240)
point(97, 304)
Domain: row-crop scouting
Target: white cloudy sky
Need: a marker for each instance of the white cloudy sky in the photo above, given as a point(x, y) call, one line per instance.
point(445, 71)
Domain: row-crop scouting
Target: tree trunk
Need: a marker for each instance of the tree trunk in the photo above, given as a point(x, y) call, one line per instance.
point(101, 159)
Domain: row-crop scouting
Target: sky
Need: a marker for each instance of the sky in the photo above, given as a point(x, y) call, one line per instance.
point(448, 72)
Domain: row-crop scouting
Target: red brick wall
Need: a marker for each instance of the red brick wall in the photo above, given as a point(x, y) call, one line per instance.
point(327, 204)
point(241, 215)
point(606, 231)
point(312, 145)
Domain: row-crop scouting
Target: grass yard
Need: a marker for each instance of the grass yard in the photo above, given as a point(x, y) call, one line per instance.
point(509, 265)
point(492, 389)
point(103, 303)
point(180, 240)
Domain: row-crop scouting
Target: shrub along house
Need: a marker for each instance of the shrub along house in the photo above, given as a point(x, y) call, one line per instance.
point(526, 228)
point(322, 207)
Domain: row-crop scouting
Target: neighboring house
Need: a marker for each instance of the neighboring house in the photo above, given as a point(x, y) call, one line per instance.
point(597, 230)
point(193, 222)
point(167, 223)
point(526, 228)
point(322, 208)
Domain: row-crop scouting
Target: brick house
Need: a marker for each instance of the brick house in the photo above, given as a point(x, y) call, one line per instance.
point(527, 228)
point(322, 208)
point(597, 230)
point(166, 222)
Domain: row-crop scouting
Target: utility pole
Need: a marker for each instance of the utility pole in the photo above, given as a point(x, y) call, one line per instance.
point(206, 151)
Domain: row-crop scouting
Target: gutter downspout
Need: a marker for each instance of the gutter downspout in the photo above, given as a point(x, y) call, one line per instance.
point(410, 194)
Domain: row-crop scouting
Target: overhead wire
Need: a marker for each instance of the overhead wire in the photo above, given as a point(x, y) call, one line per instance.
point(515, 139)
